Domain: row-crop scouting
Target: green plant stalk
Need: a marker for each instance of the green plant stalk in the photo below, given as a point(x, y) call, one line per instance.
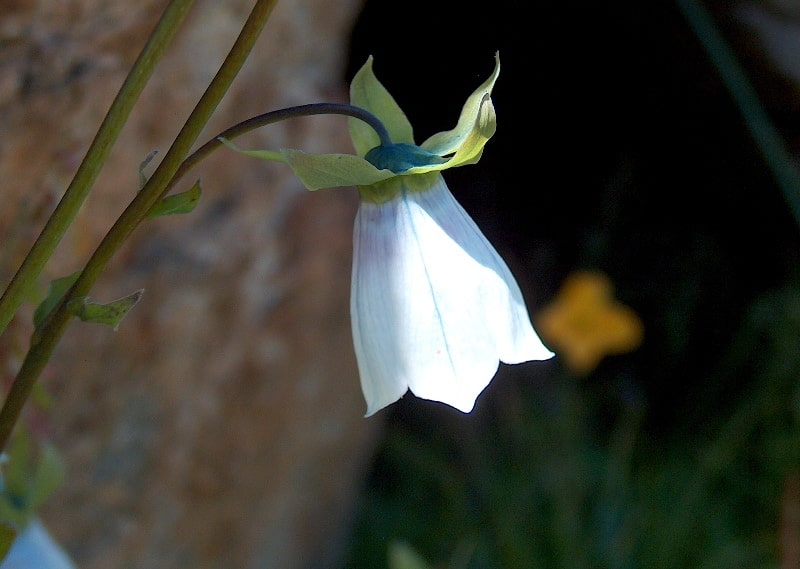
point(769, 141)
point(719, 454)
point(52, 330)
point(64, 214)
point(276, 116)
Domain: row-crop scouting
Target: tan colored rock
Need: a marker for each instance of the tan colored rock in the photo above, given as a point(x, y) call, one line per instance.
point(222, 425)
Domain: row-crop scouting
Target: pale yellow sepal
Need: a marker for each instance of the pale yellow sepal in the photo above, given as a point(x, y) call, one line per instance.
point(318, 171)
point(471, 142)
point(447, 142)
point(370, 94)
point(460, 146)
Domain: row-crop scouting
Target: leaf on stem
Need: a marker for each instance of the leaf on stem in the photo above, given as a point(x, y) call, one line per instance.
point(58, 288)
point(47, 477)
point(183, 202)
point(31, 476)
point(110, 314)
point(7, 536)
point(143, 165)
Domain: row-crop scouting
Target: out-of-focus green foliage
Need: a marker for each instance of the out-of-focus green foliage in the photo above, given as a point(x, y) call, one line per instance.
point(685, 453)
point(536, 481)
point(33, 470)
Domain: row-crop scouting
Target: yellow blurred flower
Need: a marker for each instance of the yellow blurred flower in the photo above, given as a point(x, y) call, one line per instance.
point(584, 323)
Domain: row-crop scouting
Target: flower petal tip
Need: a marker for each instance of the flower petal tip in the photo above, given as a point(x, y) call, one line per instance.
point(541, 353)
point(465, 406)
point(374, 407)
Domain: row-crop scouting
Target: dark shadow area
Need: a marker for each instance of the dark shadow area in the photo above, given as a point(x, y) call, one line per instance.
point(620, 150)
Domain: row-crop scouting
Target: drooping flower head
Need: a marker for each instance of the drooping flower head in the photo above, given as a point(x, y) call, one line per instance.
point(434, 307)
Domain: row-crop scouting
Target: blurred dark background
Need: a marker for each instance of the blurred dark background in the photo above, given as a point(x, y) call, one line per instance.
point(619, 149)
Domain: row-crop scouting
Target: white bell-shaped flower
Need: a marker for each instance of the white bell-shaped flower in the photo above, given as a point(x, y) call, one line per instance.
point(434, 307)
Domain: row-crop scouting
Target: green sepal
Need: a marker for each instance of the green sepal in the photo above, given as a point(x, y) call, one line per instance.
point(110, 314)
point(183, 202)
point(8, 533)
point(471, 144)
point(447, 142)
point(370, 94)
point(58, 288)
point(401, 157)
point(318, 171)
point(387, 190)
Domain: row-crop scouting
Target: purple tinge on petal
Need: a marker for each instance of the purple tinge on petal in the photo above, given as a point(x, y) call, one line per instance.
point(434, 307)
point(373, 314)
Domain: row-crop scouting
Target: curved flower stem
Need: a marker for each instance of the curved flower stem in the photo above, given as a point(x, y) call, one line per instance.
point(93, 162)
point(52, 329)
point(309, 110)
point(277, 116)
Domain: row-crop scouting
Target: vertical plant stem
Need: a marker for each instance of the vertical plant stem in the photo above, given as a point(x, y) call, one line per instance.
point(93, 162)
point(54, 327)
point(769, 141)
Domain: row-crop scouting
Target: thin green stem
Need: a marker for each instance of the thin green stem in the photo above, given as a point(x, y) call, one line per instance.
point(310, 110)
point(90, 167)
point(276, 116)
point(52, 330)
point(769, 141)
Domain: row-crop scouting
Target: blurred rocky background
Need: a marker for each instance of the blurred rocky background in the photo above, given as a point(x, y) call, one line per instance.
point(222, 425)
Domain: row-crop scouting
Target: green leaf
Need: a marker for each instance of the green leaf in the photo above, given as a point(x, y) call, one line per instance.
point(402, 556)
point(58, 288)
point(48, 476)
point(183, 202)
point(17, 467)
point(143, 165)
point(41, 397)
point(8, 534)
point(31, 477)
point(12, 513)
point(110, 314)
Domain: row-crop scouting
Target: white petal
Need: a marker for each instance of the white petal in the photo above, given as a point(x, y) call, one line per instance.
point(434, 307)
